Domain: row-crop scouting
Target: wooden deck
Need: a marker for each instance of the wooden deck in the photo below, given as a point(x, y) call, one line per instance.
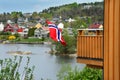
point(90, 47)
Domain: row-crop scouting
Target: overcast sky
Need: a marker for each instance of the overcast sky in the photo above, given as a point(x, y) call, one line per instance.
point(35, 5)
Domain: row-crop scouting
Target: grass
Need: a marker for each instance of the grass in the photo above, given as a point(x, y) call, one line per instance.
point(30, 40)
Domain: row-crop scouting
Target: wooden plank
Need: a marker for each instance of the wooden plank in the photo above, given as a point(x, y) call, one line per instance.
point(93, 43)
point(119, 36)
point(106, 39)
point(111, 24)
point(81, 46)
point(78, 51)
point(96, 46)
point(94, 66)
point(112, 40)
point(85, 46)
point(80, 39)
point(83, 42)
point(116, 40)
point(87, 49)
point(101, 53)
point(90, 62)
point(90, 48)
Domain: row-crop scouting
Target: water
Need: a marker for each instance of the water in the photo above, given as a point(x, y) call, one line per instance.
point(46, 65)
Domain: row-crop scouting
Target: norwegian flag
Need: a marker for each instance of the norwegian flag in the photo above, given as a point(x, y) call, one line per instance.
point(55, 33)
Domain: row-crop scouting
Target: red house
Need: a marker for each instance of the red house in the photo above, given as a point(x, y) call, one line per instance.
point(9, 28)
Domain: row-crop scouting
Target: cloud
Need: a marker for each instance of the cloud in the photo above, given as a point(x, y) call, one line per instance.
point(37, 8)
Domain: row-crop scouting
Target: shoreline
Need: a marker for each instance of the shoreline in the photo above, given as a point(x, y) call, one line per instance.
point(7, 42)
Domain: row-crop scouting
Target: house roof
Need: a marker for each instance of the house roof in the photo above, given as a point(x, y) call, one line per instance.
point(38, 25)
point(95, 26)
point(45, 28)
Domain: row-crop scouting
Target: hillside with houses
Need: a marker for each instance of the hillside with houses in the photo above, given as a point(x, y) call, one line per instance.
point(70, 17)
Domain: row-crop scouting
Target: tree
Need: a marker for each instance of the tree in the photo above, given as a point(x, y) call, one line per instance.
point(35, 16)
point(69, 48)
point(16, 15)
point(31, 32)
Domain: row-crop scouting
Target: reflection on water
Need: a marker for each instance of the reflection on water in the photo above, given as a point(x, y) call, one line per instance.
point(46, 65)
point(63, 59)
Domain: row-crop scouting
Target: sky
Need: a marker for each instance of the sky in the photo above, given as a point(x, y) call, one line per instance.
point(29, 6)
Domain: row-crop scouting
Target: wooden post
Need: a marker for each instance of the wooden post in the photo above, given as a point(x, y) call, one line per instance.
point(112, 40)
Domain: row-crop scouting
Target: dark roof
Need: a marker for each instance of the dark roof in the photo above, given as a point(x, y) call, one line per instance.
point(94, 26)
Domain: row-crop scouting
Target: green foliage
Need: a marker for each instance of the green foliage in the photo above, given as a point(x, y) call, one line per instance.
point(69, 48)
point(46, 15)
point(4, 35)
point(77, 10)
point(91, 74)
point(31, 32)
point(17, 35)
point(30, 40)
point(15, 15)
point(82, 23)
point(10, 69)
point(63, 72)
point(67, 73)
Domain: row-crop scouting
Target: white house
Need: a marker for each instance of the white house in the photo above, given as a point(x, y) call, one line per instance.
point(40, 33)
point(1, 26)
point(24, 33)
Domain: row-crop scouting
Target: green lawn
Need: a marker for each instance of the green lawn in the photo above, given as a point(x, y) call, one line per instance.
point(30, 40)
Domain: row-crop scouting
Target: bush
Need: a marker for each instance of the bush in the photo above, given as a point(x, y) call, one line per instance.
point(3, 37)
point(67, 73)
point(6, 33)
point(17, 35)
point(69, 48)
point(10, 69)
point(31, 32)
point(11, 37)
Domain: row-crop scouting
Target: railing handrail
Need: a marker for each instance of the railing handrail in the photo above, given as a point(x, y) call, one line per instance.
point(88, 35)
point(91, 29)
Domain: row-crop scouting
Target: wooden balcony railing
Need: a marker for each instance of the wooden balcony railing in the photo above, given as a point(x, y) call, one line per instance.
point(90, 46)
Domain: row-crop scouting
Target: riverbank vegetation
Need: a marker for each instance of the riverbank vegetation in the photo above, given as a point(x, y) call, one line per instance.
point(11, 69)
point(70, 47)
point(68, 73)
point(15, 38)
point(30, 40)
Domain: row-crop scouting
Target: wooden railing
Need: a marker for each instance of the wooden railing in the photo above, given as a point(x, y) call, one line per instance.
point(90, 45)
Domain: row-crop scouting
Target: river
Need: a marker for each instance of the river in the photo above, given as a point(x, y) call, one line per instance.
point(46, 65)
